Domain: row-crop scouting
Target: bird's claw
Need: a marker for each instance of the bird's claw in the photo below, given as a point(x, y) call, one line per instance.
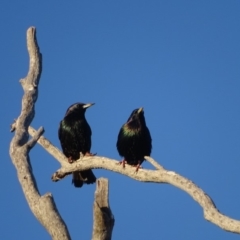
point(123, 163)
point(70, 160)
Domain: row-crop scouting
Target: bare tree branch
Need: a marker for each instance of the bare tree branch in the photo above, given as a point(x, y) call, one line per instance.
point(50, 148)
point(154, 163)
point(160, 175)
point(103, 218)
point(43, 207)
point(31, 143)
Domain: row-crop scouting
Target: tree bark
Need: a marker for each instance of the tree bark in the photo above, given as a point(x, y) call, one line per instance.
point(43, 207)
point(211, 213)
point(103, 220)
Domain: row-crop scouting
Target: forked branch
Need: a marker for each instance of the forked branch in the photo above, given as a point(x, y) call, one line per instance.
point(43, 207)
point(160, 175)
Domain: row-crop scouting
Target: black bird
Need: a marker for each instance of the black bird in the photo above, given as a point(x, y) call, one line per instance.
point(134, 139)
point(74, 134)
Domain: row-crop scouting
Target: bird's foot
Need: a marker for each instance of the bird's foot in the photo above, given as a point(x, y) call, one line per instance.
point(90, 154)
point(70, 160)
point(123, 163)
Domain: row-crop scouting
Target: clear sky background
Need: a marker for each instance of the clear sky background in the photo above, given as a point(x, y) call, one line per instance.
point(180, 60)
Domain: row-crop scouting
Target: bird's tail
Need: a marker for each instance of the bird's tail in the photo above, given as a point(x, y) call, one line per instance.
point(81, 177)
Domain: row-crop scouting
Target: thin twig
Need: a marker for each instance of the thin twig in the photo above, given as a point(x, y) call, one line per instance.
point(154, 163)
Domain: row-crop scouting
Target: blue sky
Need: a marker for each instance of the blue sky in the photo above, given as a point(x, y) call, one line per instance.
point(177, 59)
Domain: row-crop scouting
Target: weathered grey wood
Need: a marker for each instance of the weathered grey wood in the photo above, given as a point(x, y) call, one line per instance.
point(103, 219)
point(211, 213)
point(43, 207)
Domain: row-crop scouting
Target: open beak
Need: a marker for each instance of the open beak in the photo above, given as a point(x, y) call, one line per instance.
point(88, 105)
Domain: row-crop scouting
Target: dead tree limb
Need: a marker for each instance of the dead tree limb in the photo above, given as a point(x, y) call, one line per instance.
point(103, 219)
point(43, 207)
point(211, 213)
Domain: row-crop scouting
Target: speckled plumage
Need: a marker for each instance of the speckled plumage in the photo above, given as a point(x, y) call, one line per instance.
point(134, 139)
point(74, 134)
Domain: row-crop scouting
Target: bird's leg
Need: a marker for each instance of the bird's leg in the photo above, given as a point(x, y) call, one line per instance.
point(90, 154)
point(123, 162)
point(138, 166)
point(70, 160)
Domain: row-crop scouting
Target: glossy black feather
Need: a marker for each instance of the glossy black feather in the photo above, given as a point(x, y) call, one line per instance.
point(134, 139)
point(74, 134)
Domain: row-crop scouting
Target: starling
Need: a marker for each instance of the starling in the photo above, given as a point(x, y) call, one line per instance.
point(74, 134)
point(134, 139)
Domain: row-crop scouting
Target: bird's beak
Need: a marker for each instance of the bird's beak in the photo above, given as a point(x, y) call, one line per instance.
point(140, 110)
point(88, 105)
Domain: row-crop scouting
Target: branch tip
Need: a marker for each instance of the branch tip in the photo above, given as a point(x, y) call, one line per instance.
point(103, 217)
point(154, 163)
